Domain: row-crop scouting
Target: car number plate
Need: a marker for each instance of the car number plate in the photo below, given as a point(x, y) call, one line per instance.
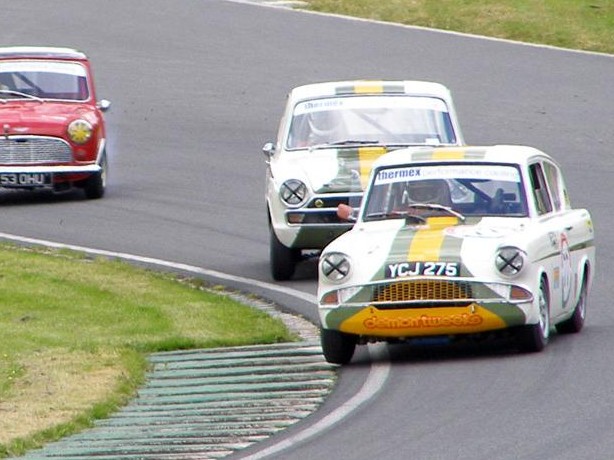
point(25, 179)
point(404, 269)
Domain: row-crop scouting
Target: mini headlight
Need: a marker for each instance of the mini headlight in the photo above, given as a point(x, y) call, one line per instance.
point(293, 192)
point(509, 260)
point(80, 131)
point(335, 266)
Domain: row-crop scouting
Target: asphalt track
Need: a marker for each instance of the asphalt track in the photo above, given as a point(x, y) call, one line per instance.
point(197, 87)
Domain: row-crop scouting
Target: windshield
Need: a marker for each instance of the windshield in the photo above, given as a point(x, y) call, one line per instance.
point(380, 119)
point(45, 80)
point(467, 189)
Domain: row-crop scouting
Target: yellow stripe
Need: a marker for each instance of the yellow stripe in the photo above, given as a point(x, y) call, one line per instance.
point(368, 88)
point(366, 157)
point(449, 154)
point(427, 242)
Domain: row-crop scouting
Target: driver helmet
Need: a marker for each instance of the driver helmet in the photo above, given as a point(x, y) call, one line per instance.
point(325, 125)
point(432, 191)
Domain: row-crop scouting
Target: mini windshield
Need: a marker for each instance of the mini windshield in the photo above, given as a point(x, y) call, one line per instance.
point(44, 80)
point(381, 119)
point(466, 189)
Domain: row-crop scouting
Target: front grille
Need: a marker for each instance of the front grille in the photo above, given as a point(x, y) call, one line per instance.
point(422, 290)
point(330, 201)
point(18, 150)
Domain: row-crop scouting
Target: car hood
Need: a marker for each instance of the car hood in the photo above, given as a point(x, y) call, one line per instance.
point(47, 118)
point(330, 170)
point(472, 244)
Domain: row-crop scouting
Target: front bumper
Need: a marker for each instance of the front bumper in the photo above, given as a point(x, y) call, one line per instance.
point(30, 177)
point(424, 306)
point(420, 322)
point(314, 224)
point(64, 169)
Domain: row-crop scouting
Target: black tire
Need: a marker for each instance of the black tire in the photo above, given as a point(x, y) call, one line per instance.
point(534, 337)
point(283, 260)
point(337, 347)
point(576, 322)
point(95, 185)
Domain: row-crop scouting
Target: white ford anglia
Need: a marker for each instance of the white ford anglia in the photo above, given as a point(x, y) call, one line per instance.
point(329, 135)
point(453, 242)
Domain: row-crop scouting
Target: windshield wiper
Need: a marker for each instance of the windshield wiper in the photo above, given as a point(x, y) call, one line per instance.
point(353, 141)
point(394, 215)
point(437, 207)
point(10, 92)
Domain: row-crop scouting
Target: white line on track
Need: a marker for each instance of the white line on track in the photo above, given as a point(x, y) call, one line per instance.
point(378, 373)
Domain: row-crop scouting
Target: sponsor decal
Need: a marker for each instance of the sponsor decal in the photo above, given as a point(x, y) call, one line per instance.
point(554, 240)
point(461, 320)
point(405, 322)
point(476, 231)
point(318, 105)
point(412, 173)
point(566, 272)
point(404, 269)
point(556, 275)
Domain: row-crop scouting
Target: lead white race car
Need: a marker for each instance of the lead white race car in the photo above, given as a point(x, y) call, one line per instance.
point(454, 242)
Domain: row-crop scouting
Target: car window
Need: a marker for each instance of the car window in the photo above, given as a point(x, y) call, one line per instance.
point(554, 181)
point(470, 189)
point(540, 189)
point(403, 120)
point(47, 80)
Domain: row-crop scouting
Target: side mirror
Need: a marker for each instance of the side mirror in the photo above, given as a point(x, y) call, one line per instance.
point(268, 149)
point(103, 105)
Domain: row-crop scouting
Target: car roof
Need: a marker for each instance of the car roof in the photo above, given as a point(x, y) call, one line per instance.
point(357, 87)
point(510, 154)
point(40, 52)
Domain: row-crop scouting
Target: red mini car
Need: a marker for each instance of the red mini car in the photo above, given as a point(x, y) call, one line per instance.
point(52, 132)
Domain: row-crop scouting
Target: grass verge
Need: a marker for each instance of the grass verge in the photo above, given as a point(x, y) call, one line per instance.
point(76, 331)
point(576, 24)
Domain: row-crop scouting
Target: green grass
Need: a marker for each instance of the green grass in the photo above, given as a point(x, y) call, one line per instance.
point(578, 24)
point(76, 331)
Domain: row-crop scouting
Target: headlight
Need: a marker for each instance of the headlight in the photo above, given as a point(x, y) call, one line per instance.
point(293, 192)
point(335, 266)
point(80, 131)
point(510, 260)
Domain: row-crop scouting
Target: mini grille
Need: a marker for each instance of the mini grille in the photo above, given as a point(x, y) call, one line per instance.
point(404, 291)
point(33, 150)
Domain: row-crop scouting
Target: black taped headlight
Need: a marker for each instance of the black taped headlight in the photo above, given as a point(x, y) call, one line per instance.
point(510, 260)
point(293, 192)
point(335, 266)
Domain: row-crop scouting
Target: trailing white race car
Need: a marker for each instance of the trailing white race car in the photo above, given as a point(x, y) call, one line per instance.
point(457, 241)
point(329, 135)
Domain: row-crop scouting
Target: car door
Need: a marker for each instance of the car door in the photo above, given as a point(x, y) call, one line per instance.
point(565, 229)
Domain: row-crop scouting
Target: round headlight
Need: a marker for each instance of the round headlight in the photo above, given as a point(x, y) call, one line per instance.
point(293, 192)
point(80, 131)
point(510, 260)
point(335, 266)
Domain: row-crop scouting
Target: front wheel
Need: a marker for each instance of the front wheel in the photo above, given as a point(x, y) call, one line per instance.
point(95, 185)
point(283, 259)
point(534, 337)
point(337, 347)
